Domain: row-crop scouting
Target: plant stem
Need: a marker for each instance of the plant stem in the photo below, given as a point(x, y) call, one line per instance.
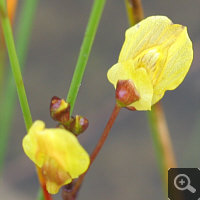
point(157, 121)
point(134, 11)
point(9, 97)
point(11, 7)
point(2, 67)
point(165, 136)
point(161, 141)
point(11, 4)
point(98, 147)
point(40, 195)
point(86, 46)
point(45, 195)
point(15, 67)
point(24, 29)
point(105, 133)
point(157, 145)
point(8, 36)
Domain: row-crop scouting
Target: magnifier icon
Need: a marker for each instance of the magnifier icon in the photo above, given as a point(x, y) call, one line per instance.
point(182, 182)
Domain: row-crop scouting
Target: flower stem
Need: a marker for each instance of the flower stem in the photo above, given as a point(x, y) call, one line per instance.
point(11, 4)
point(134, 11)
point(45, 195)
point(86, 46)
point(8, 36)
point(2, 65)
point(157, 121)
point(98, 147)
point(165, 136)
point(24, 29)
point(9, 97)
point(7, 31)
point(105, 133)
point(40, 195)
point(161, 141)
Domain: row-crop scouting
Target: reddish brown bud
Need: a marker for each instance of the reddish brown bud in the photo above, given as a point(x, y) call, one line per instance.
point(77, 125)
point(59, 110)
point(126, 93)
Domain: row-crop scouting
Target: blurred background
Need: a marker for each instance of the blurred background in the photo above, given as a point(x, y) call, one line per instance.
point(126, 168)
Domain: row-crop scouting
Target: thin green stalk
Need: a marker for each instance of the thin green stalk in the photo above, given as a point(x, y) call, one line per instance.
point(2, 66)
point(2, 56)
point(157, 145)
point(9, 98)
point(24, 29)
point(162, 142)
point(86, 46)
point(15, 65)
point(159, 130)
point(7, 31)
point(40, 195)
point(23, 35)
point(3, 9)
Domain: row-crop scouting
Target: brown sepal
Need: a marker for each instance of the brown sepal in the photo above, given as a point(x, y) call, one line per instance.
point(126, 93)
point(77, 125)
point(59, 110)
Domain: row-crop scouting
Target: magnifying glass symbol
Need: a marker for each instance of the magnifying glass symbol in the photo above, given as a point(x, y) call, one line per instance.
point(182, 182)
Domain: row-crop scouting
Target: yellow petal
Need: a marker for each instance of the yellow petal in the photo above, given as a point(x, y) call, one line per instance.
point(52, 187)
point(144, 88)
point(119, 71)
point(160, 48)
point(140, 78)
point(30, 143)
point(178, 62)
point(142, 36)
point(57, 152)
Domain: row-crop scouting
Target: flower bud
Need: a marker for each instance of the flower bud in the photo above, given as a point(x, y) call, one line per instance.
point(126, 93)
point(77, 125)
point(59, 110)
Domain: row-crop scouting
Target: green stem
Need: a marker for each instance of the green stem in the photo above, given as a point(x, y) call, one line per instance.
point(2, 68)
point(3, 9)
point(7, 31)
point(14, 59)
point(162, 142)
point(40, 195)
point(8, 103)
point(157, 144)
point(23, 35)
point(24, 29)
point(90, 33)
point(159, 130)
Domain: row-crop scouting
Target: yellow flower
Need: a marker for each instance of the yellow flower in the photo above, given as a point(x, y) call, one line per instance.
point(156, 56)
point(57, 152)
